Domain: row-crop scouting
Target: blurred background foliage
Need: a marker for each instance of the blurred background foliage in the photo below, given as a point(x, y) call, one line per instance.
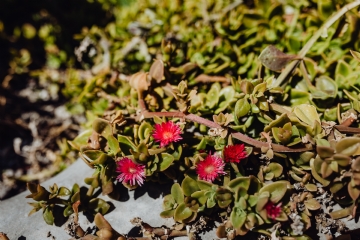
point(57, 57)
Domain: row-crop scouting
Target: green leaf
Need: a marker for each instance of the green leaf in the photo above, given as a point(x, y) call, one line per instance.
point(68, 211)
point(126, 144)
point(312, 204)
point(348, 146)
point(99, 205)
point(63, 191)
point(226, 95)
point(354, 192)
point(81, 139)
point(167, 213)
point(356, 55)
point(113, 145)
point(168, 202)
point(282, 217)
point(182, 212)
point(165, 161)
point(276, 169)
point(204, 185)
point(75, 197)
point(144, 131)
point(237, 217)
point(189, 186)
point(177, 193)
point(212, 97)
point(242, 108)
point(327, 86)
point(48, 216)
point(276, 189)
point(307, 113)
point(315, 168)
point(102, 127)
point(200, 196)
point(94, 157)
point(311, 187)
point(342, 69)
point(326, 8)
point(240, 182)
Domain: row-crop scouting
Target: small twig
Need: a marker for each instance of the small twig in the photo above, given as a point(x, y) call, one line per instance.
point(306, 75)
point(290, 67)
point(237, 135)
point(347, 130)
point(209, 79)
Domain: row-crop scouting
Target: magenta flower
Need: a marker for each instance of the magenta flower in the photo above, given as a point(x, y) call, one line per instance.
point(234, 153)
point(166, 133)
point(210, 168)
point(272, 210)
point(130, 172)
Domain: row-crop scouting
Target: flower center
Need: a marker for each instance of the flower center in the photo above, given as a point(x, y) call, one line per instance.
point(132, 170)
point(209, 169)
point(167, 135)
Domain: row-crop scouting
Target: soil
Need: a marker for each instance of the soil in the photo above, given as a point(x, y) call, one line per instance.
point(33, 120)
point(32, 124)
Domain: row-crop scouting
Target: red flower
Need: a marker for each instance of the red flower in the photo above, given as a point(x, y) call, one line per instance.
point(210, 168)
point(130, 172)
point(166, 133)
point(272, 210)
point(234, 153)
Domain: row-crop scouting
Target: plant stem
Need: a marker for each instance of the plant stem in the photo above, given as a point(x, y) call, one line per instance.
point(237, 135)
point(290, 67)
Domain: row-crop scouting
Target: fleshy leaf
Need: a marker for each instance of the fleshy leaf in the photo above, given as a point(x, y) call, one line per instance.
point(348, 145)
point(81, 139)
point(177, 193)
point(274, 59)
point(242, 108)
point(312, 204)
point(237, 217)
point(48, 216)
point(165, 161)
point(99, 205)
point(157, 70)
point(276, 189)
point(113, 144)
point(167, 213)
point(189, 186)
point(307, 113)
point(240, 182)
point(102, 127)
point(182, 212)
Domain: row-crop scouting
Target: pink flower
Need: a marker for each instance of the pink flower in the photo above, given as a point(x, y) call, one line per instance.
point(272, 210)
point(130, 172)
point(166, 133)
point(210, 168)
point(234, 153)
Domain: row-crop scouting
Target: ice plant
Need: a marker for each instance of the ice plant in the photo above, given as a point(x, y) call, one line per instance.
point(130, 172)
point(272, 210)
point(234, 153)
point(166, 133)
point(210, 168)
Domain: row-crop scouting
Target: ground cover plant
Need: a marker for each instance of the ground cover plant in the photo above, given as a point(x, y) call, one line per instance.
point(249, 108)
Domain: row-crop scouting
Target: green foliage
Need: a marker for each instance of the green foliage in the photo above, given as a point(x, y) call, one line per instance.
point(212, 77)
point(64, 198)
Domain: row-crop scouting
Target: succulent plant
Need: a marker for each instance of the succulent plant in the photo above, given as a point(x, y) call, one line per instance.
point(236, 110)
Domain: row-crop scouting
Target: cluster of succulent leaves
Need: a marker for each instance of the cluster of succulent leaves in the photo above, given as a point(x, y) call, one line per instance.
point(205, 72)
point(64, 199)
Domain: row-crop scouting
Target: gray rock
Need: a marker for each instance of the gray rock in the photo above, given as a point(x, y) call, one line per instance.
point(15, 222)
